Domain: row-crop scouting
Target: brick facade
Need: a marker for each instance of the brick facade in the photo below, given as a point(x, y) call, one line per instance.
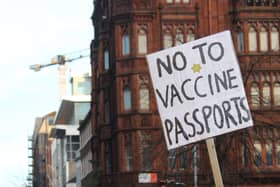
point(127, 134)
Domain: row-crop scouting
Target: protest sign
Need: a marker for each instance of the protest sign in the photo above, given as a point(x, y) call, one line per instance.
point(199, 90)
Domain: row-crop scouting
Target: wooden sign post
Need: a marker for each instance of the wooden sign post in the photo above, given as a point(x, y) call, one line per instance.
point(214, 162)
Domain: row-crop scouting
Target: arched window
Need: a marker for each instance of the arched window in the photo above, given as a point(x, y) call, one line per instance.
point(142, 41)
point(128, 152)
point(179, 38)
point(266, 100)
point(274, 39)
point(125, 44)
point(257, 153)
point(172, 159)
point(146, 142)
point(263, 39)
point(250, 2)
point(252, 39)
point(278, 152)
point(190, 35)
point(258, 2)
point(167, 40)
point(106, 60)
point(268, 149)
point(245, 156)
point(274, 2)
point(144, 97)
point(127, 98)
point(240, 41)
point(255, 95)
point(276, 94)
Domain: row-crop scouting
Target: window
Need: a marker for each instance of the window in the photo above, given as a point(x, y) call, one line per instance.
point(107, 111)
point(274, 39)
point(144, 97)
point(81, 110)
point(127, 98)
point(250, 2)
point(245, 157)
point(172, 159)
point(190, 35)
point(276, 94)
point(146, 141)
point(257, 153)
point(177, 1)
point(167, 40)
point(83, 86)
point(268, 149)
point(72, 145)
point(142, 41)
point(252, 39)
point(183, 159)
point(106, 60)
point(278, 152)
point(255, 95)
point(179, 38)
point(274, 2)
point(263, 39)
point(125, 44)
point(258, 2)
point(108, 155)
point(128, 152)
point(266, 95)
point(240, 41)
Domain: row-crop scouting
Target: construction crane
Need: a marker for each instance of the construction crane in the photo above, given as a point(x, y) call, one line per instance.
point(60, 60)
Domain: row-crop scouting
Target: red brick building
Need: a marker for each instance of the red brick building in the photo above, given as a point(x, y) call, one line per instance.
point(127, 135)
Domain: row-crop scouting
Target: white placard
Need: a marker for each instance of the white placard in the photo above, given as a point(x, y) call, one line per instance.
point(199, 90)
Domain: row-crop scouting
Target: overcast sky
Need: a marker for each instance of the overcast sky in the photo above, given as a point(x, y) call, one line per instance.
point(33, 32)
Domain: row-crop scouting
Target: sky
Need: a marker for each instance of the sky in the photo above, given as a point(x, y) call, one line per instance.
point(33, 32)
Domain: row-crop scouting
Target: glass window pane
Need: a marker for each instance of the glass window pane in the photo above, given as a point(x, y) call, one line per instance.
point(106, 60)
point(107, 111)
point(81, 110)
point(268, 147)
point(142, 42)
point(186, 1)
point(255, 95)
point(183, 160)
point(179, 38)
point(172, 159)
point(266, 95)
point(263, 40)
point(278, 152)
point(127, 98)
point(190, 36)
point(75, 147)
point(240, 41)
point(276, 94)
point(274, 39)
point(125, 45)
point(245, 158)
point(144, 98)
point(167, 41)
point(252, 39)
point(128, 157)
point(169, 1)
point(257, 153)
point(75, 139)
